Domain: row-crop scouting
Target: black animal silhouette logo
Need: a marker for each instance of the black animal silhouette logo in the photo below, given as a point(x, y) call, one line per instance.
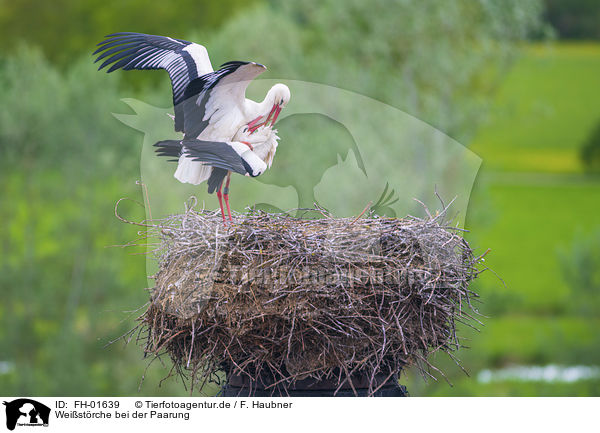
point(25, 411)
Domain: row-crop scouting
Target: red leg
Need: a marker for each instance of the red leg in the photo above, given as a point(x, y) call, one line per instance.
point(226, 196)
point(220, 197)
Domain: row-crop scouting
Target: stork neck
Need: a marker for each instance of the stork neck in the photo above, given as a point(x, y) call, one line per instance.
point(267, 103)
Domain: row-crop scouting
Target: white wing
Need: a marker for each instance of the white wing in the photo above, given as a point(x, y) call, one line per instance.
point(264, 142)
point(218, 99)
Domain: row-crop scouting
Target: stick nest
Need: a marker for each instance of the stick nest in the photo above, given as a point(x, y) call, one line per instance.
point(283, 298)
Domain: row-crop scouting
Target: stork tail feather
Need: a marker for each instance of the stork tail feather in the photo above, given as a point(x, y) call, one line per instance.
point(189, 171)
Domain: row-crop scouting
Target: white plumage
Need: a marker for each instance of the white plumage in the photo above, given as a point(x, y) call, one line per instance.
point(210, 108)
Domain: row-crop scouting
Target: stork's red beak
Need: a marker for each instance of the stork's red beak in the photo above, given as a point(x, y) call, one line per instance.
point(253, 123)
point(277, 111)
point(272, 117)
point(273, 110)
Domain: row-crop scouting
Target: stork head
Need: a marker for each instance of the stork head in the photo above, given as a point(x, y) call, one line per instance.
point(279, 95)
point(277, 98)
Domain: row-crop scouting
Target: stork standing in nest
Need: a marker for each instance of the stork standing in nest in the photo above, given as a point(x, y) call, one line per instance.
point(224, 132)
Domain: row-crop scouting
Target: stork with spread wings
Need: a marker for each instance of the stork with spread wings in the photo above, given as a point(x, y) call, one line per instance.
point(223, 131)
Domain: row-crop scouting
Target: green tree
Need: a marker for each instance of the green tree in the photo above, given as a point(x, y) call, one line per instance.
point(66, 29)
point(580, 266)
point(439, 61)
point(574, 19)
point(590, 151)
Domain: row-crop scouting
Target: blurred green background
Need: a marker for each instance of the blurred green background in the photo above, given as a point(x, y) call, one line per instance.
point(518, 82)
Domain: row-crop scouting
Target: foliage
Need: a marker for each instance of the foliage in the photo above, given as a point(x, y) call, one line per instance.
point(580, 265)
point(574, 19)
point(67, 29)
point(590, 151)
point(64, 161)
point(55, 119)
point(421, 57)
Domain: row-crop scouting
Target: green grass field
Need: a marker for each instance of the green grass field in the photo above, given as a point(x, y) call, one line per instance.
point(532, 222)
point(544, 110)
point(531, 201)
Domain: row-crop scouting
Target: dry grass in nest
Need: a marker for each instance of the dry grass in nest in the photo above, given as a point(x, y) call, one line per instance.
point(277, 299)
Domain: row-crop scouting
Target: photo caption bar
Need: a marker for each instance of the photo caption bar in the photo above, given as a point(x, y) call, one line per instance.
point(162, 414)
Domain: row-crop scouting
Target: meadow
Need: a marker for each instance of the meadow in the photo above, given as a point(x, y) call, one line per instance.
point(533, 206)
point(543, 111)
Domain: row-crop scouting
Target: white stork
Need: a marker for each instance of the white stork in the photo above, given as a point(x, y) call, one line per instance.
point(223, 131)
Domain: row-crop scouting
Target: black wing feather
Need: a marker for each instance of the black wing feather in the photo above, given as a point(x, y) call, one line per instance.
point(130, 50)
point(170, 148)
point(215, 180)
point(214, 153)
point(132, 47)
